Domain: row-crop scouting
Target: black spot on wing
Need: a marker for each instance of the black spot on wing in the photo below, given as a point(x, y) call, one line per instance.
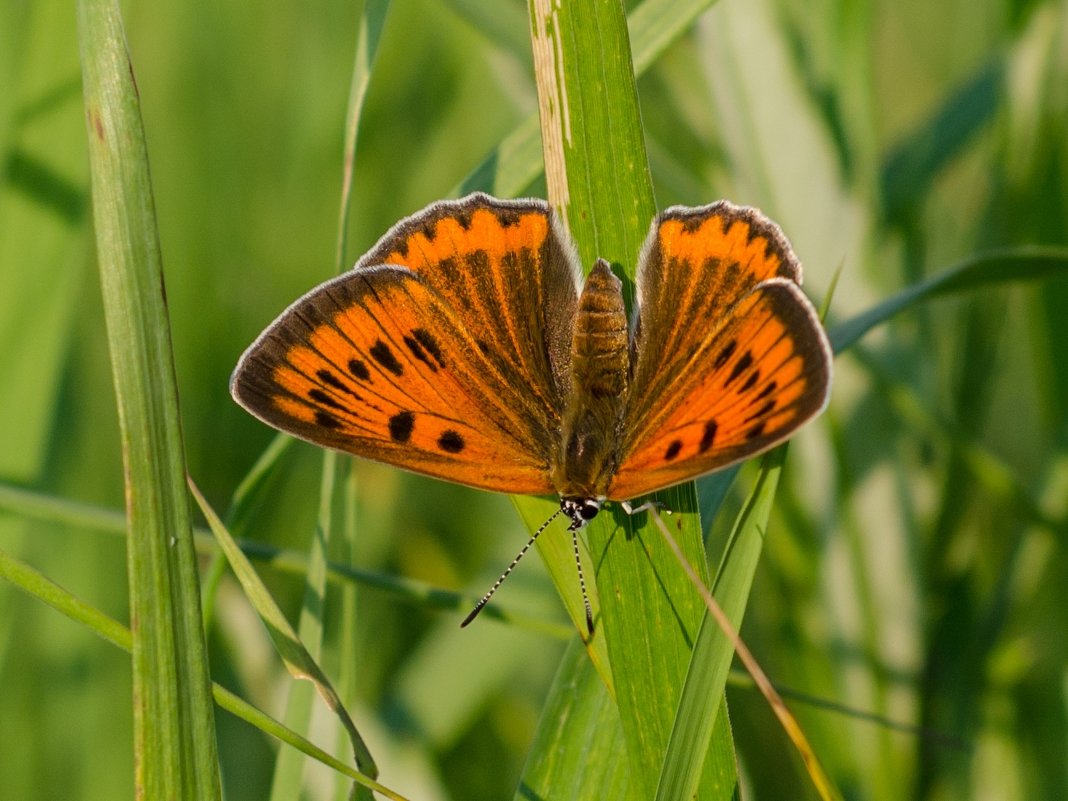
point(419, 352)
point(328, 378)
point(359, 369)
point(725, 354)
point(763, 410)
point(382, 354)
point(740, 366)
point(401, 426)
point(451, 442)
point(751, 381)
point(507, 217)
point(692, 223)
point(326, 420)
point(708, 439)
point(673, 450)
point(319, 396)
point(426, 339)
point(755, 431)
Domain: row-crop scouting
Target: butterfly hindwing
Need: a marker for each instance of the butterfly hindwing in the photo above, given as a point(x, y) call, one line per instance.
point(729, 356)
point(509, 270)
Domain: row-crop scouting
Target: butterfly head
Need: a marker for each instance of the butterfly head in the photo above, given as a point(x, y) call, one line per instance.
point(580, 511)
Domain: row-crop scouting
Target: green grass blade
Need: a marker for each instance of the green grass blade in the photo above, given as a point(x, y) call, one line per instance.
point(917, 161)
point(368, 35)
point(298, 661)
point(598, 177)
point(555, 548)
point(40, 587)
point(517, 161)
point(702, 701)
point(594, 147)
point(174, 730)
point(37, 585)
point(578, 752)
point(35, 506)
point(289, 768)
point(1013, 265)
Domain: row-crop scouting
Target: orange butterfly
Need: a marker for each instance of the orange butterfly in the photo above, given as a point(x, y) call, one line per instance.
point(466, 346)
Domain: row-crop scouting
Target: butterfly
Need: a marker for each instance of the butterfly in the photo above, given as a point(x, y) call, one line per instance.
point(466, 345)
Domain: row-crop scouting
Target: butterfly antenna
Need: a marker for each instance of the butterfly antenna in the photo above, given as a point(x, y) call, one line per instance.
point(582, 581)
point(485, 598)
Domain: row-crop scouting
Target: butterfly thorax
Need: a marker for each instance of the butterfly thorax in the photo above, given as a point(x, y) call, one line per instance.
point(599, 371)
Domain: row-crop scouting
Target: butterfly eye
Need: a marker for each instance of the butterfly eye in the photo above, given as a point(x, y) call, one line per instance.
point(580, 511)
point(589, 509)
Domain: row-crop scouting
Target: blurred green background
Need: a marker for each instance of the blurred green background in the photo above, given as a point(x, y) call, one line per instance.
point(916, 566)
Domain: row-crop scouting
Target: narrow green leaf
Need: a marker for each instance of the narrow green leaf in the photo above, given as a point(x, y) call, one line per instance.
point(335, 505)
point(289, 767)
point(294, 562)
point(702, 695)
point(598, 178)
point(38, 586)
point(295, 656)
point(368, 34)
point(556, 550)
point(914, 163)
point(579, 752)
point(985, 269)
point(517, 161)
point(174, 729)
point(594, 147)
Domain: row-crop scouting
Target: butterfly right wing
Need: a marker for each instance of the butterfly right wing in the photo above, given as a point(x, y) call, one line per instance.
point(730, 357)
point(378, 364)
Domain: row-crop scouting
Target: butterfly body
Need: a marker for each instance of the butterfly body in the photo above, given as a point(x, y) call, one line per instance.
point(466, 346)
point(600, 367)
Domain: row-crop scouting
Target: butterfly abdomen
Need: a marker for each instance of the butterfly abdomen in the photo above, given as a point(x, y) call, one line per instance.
point(599, 373)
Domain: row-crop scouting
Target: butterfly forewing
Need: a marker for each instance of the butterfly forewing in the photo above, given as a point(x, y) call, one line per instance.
point(729, 356)
point(377, 364)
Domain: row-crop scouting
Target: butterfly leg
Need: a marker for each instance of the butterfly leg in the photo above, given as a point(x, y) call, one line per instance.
point(645, 507)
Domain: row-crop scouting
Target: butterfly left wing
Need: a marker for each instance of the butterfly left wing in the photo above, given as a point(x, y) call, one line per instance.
point(376, 363)
point(729, 357)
